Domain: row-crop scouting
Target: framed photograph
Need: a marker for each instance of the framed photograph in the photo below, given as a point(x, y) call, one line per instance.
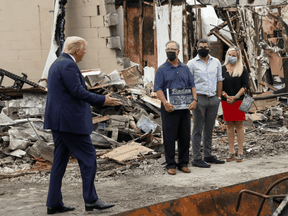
point(180, 97)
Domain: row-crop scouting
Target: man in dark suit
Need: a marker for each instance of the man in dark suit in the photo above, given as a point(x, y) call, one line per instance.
point(68, 115)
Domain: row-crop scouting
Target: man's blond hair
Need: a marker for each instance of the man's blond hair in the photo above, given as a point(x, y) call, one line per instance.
point(72, 44)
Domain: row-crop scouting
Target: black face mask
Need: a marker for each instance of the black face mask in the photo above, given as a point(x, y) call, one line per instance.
point(203, 52)
point(171, 55)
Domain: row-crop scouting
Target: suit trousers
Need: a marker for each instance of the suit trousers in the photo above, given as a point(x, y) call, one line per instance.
point(176, 126)
point(82, 148)
point(204, 117)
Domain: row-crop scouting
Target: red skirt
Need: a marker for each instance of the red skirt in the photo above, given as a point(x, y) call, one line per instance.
point(232, 112)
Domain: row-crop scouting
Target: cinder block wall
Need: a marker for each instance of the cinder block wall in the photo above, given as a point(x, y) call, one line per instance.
point(25, 35)
point(85, 18)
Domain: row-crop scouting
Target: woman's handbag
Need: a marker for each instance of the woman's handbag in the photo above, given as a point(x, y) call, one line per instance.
point(246, 103)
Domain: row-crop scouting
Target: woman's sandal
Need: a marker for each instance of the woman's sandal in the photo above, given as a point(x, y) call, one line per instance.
point(231, 157)
point(239, 158)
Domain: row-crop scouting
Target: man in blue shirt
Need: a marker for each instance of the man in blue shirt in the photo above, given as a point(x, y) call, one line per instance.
point(207, 73)
point(176, 124)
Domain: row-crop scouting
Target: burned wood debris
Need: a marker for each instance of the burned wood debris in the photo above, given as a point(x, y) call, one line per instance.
point(122, 135)
point(260, 31)
point(130, 135)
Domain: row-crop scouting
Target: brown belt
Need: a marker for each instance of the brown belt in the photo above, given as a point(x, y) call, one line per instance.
point(205, 95)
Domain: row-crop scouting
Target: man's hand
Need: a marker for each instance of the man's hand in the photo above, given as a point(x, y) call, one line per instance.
point(109, 101)
point(231, 100)
point(192, 105)
point(169, 107)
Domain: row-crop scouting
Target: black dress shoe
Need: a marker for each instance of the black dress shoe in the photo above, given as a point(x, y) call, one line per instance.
point(61, 209)
point(200, 163)
point(98, 204)
point(214, 160)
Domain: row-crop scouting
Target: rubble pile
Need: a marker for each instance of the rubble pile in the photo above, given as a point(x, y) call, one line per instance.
point(127, 138)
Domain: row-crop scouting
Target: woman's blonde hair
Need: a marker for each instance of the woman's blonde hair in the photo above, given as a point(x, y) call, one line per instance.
point(72, 44)
point(238, 68)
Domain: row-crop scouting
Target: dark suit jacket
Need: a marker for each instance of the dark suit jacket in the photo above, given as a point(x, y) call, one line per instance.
point(68, 101)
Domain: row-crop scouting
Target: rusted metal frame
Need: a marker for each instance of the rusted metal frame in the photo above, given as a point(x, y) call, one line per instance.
point(268, 85)
point(185, 33)
point(199, 23)
point(197, 6)
point(284, 29)
point(257, 194)
point(126, 51)
point(222, 38)
point(170, 18)
point(268, 191)
point(222, 25)
point(191, 37)
point(155, 33)
point(246, 59)
point(229, 22)
point(269, 96)
point(147, 3)
point(217, 29)
point(141, 36)
point(231, 9)
point(257, 50)
point(285, 68)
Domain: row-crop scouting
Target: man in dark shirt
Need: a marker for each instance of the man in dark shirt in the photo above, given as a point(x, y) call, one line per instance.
point(176, 124)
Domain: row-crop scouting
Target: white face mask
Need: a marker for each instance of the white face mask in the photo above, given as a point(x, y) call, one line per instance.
point(232, 60)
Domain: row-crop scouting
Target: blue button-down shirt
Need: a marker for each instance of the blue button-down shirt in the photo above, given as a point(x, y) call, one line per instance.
point(207, 75)
point(169, 76)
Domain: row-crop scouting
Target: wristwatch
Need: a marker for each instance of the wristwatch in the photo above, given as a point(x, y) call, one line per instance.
point(196, 99)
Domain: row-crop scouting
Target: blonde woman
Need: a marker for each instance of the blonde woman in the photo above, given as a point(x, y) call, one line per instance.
point(235, 83)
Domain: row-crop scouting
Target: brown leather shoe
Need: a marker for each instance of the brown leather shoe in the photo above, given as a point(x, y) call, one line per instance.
point(185, 169)
point(171, 171)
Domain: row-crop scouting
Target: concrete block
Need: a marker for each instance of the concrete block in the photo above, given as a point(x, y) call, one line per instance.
point(109, 1)
point(88, 33)
point(97, 21)
point(83, 22)
point(276, 111)
point(97, 43)
point(110, 8)
point(145, 124)
point(108, 65)
point(26, 25)
point(10, 55)
point(101, 10)
point(107, 53)
point(19, 139)
point(111, 19)
point(114, 42)
point(89, 11)
point(31, 44)
point(29, 55)
point(40, 148)
point(103, 32)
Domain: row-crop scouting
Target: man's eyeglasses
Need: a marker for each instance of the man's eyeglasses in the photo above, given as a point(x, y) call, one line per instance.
point(199, 48)
point(171, 50)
